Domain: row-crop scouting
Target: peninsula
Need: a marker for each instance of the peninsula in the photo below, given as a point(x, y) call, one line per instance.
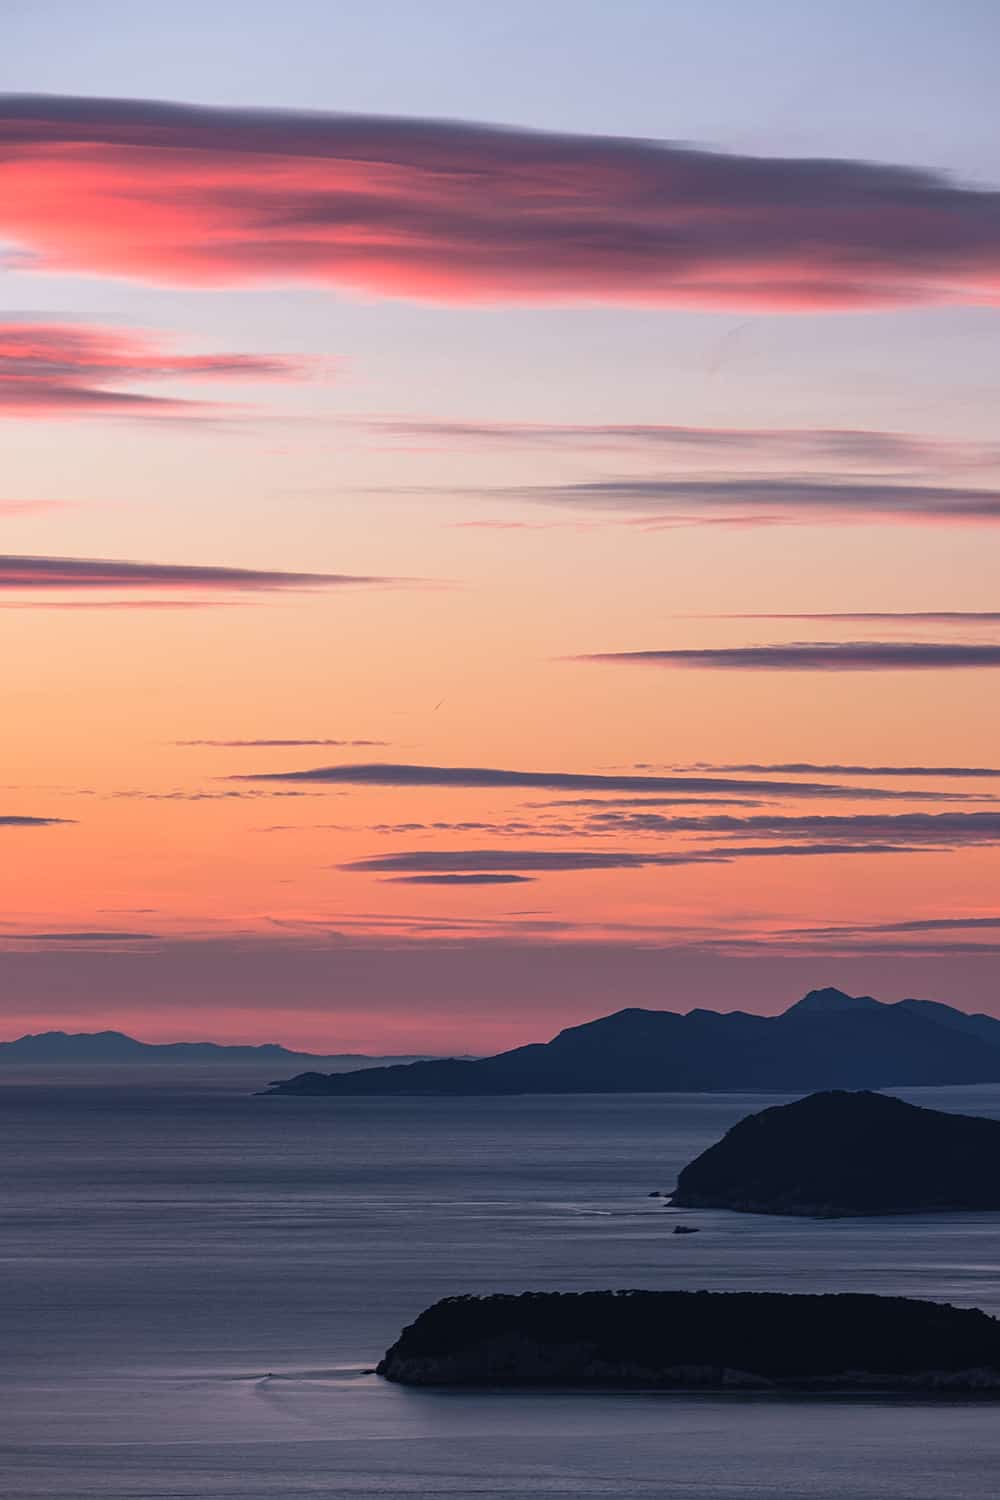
point(837, 1154)
point(753, 1341)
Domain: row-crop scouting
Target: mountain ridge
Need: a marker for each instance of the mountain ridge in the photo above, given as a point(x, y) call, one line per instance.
point(828, 1039)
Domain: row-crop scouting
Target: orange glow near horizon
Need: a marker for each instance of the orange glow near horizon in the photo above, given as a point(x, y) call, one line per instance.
point(407, 547)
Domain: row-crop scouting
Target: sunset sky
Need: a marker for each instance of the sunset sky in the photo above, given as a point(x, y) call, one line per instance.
point(499, 523)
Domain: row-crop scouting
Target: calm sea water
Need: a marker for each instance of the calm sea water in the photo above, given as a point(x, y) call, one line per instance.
point(194, 1283)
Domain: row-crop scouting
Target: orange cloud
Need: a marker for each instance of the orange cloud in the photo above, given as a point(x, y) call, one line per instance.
point(458, 212)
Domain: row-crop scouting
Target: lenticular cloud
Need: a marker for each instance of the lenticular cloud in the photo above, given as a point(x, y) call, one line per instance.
point(459, 212)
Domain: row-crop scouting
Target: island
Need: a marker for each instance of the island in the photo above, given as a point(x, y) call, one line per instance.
point(837, 1154)
point(737, 1341)
point(828, 1039)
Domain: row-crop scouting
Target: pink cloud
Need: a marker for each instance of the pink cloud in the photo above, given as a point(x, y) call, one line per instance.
point(457, 212)
point(56, 369)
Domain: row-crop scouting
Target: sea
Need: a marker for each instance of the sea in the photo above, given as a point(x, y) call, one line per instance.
point(196, 1282)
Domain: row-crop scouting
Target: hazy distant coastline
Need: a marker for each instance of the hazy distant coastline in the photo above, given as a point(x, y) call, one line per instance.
point(102, 1047)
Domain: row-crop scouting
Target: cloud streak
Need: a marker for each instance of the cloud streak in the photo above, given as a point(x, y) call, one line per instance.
point(479, 777)
point(826, 444)
point(77, 937)
point(462, 863)
point(58, 370)
point(761, 499)
point(462, 212)
point(19, 573)
point(278, 744)
point(105, 604)
point(913, 925)
point(16, 820)
point(476, 879)
point(959, 617)
point(817, 656)
point(498, 861)
point(920, 830)
point(214, 795)
point(812, 768)
point(810, 836)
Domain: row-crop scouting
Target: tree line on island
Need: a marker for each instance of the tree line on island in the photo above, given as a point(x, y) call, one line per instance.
point(738, 1341)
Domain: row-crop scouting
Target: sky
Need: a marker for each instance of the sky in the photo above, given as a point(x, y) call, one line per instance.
point(500, 512)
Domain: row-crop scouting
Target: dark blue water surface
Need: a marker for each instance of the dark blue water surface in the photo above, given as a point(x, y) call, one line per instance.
point(194, 1282)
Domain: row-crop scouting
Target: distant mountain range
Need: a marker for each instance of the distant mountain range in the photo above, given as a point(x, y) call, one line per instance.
point(116, 1047)
point(827, 1040)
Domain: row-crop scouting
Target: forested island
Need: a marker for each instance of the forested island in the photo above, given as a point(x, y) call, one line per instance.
point(751, 1341)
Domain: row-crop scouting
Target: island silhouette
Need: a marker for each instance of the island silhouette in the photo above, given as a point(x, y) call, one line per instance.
point(827, 1040)
point(837, 1154)
point(711, 1340)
